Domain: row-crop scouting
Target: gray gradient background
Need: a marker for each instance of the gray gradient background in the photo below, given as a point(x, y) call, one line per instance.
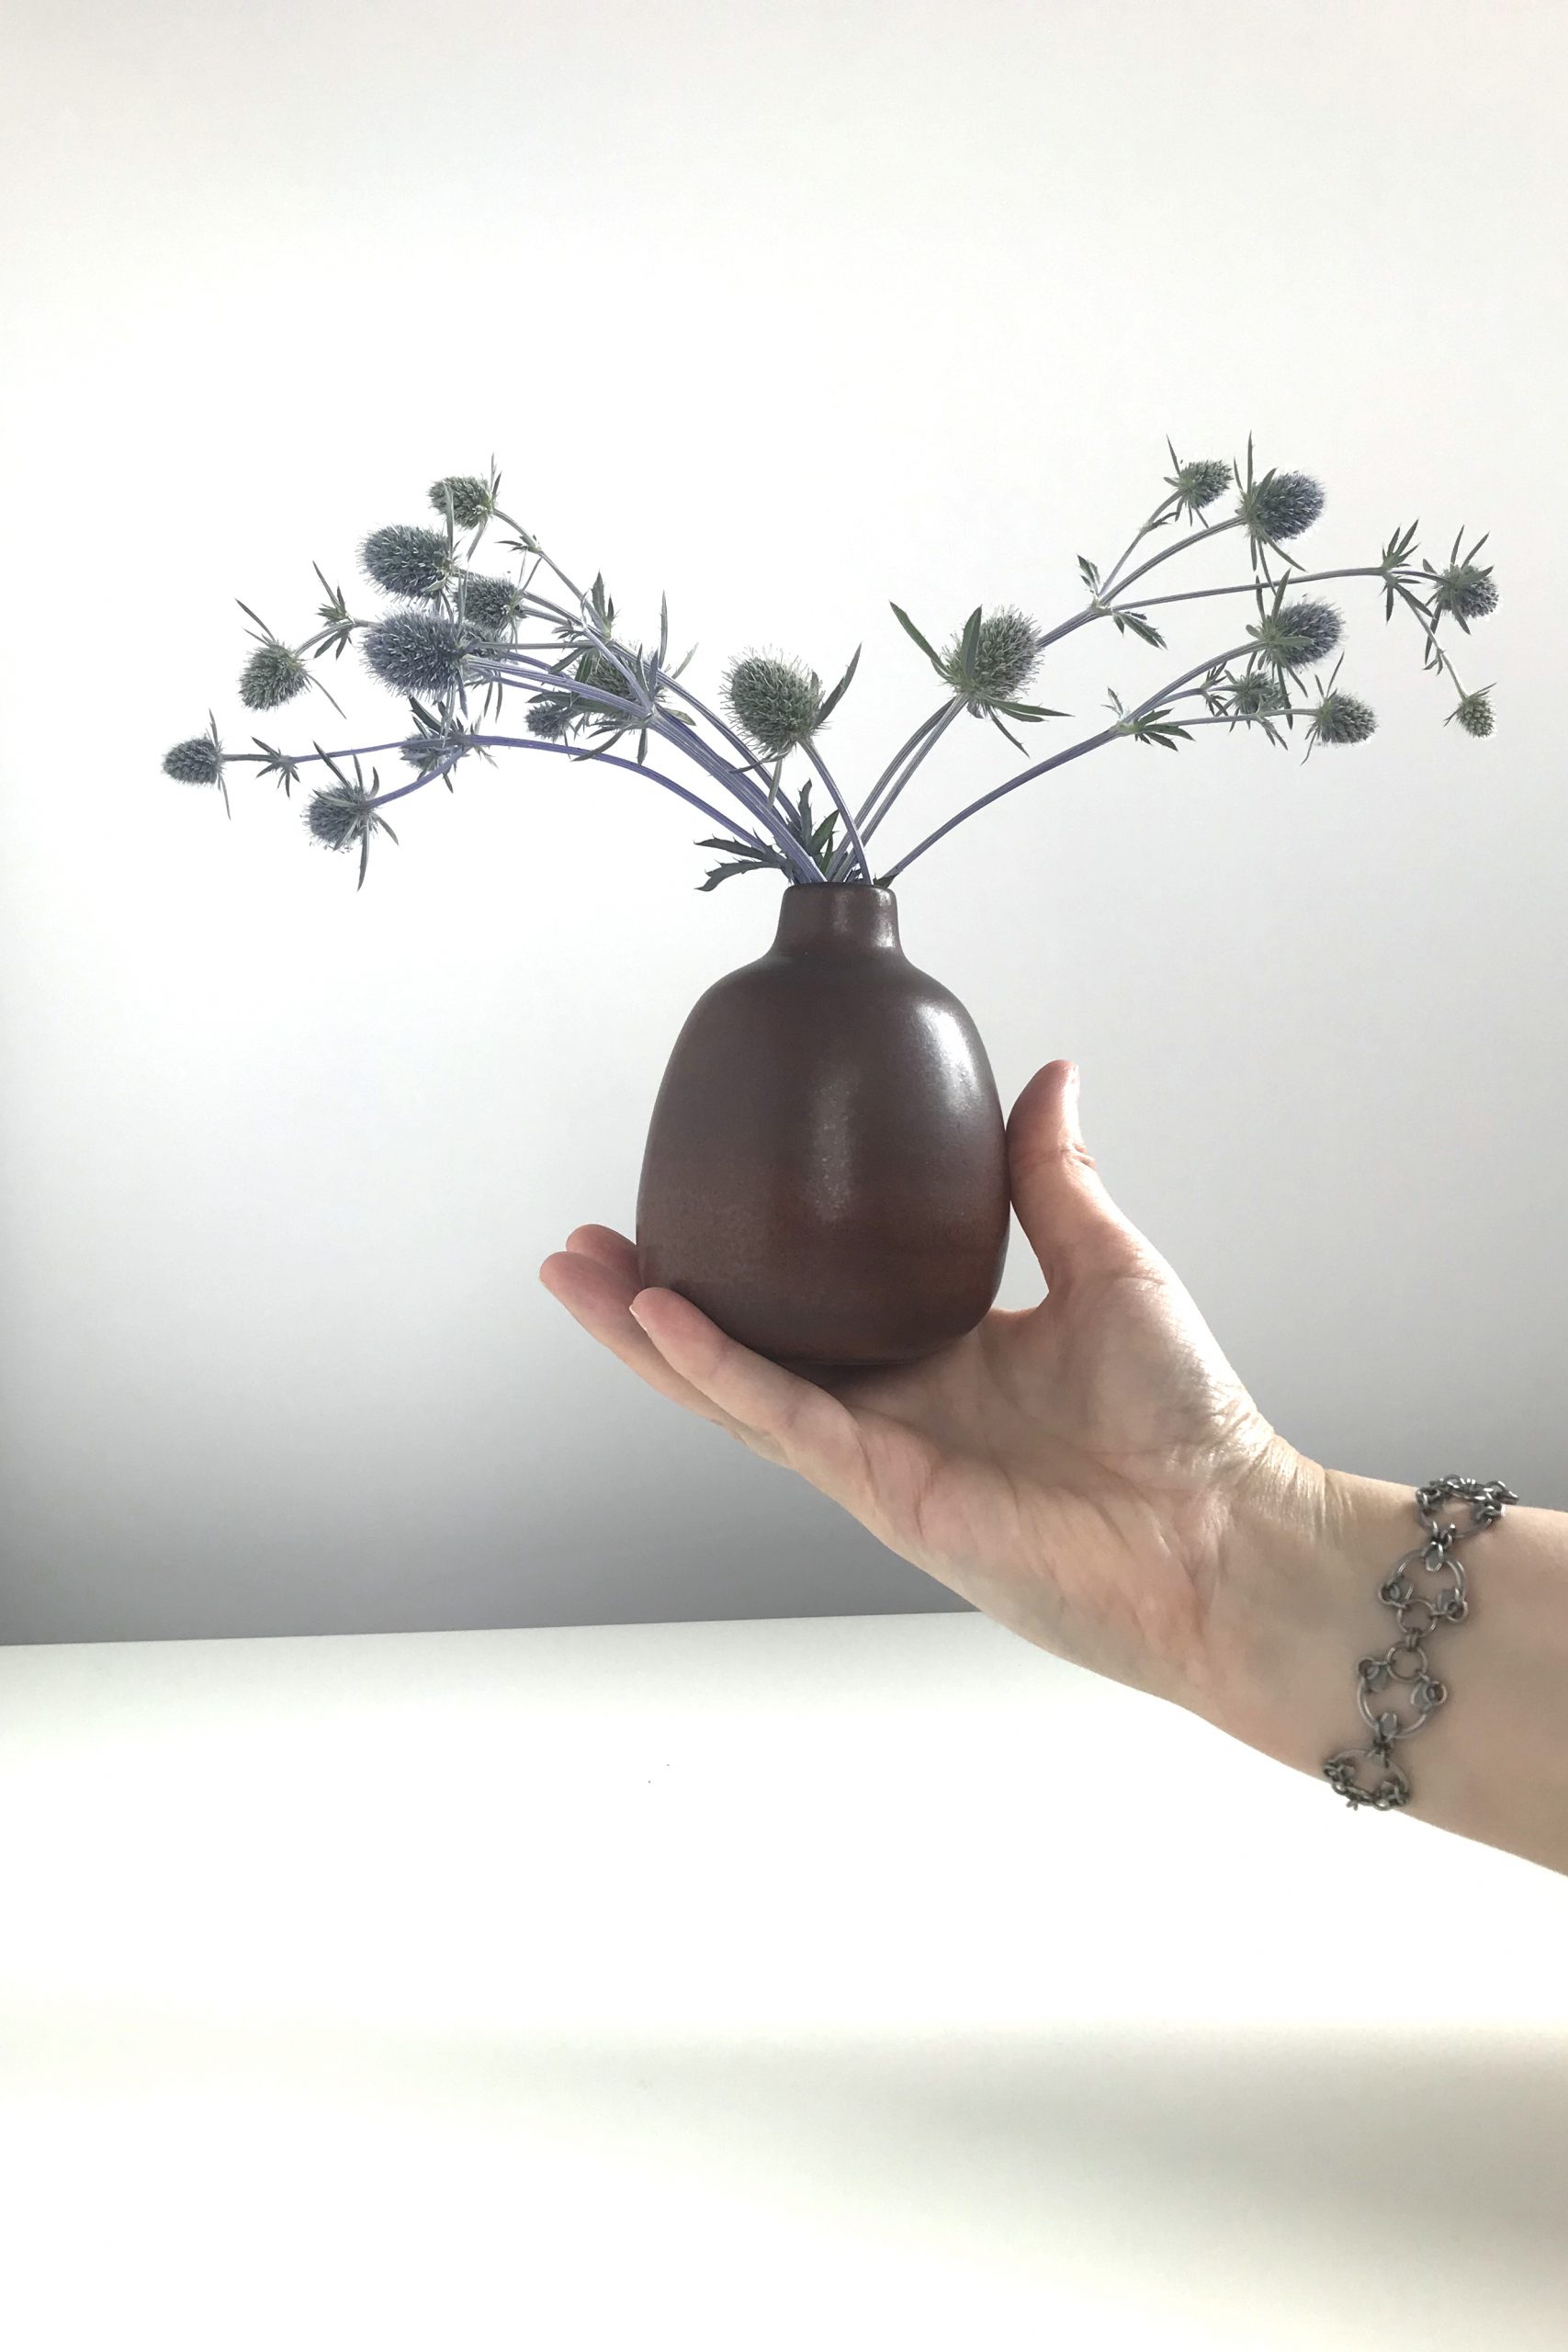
point(787, 311)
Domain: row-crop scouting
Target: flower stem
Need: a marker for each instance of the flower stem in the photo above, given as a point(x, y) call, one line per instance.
point(894, 764)
point(1059, 759)
point(842, 805)
point(933, 737)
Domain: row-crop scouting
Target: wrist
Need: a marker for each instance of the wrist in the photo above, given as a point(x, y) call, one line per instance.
point(1295, 1606)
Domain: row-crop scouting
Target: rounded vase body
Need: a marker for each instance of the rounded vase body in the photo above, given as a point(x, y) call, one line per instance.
point(826, 1167)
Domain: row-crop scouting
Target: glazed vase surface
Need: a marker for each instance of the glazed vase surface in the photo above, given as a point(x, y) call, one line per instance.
point(826, 1167)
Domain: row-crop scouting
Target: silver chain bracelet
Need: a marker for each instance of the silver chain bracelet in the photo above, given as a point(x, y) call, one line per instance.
point(1403, 1668)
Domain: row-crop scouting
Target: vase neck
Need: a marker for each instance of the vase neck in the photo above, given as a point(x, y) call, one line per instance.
point(846, 917)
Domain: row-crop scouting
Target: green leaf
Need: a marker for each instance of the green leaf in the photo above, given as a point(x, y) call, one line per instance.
point(1091, 572)
point(840, 690)
point(902, 617)
point(969, 643)
point(1029, 710)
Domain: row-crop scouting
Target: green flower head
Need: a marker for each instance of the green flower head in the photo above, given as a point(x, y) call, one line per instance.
point(1258, 694)
point(597, 671)
point(492, 605)
point(195, 760)
point(1466, 590)
point(550, 716)
point(274, 674)
point(1342, 718)
point(1281, 506)
point(995, 662)
point(1474, 712)
point(420, 654)
point(1304, 631)
point(471, 501)
point(407, 560)
point(774, 702)
point(1198, 483)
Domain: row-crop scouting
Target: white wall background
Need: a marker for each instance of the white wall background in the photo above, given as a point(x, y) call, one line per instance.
point(788, 312)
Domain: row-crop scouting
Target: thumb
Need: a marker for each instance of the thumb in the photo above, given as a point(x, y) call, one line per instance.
point(1073, 1225)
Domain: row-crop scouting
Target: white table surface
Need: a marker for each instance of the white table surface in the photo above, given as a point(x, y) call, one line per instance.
point(870, 1982)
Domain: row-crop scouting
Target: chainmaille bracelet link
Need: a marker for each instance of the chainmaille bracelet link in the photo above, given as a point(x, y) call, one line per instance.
point(1403, 1670)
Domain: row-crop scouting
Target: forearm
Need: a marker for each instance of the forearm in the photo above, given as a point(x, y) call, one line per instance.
point(1297, 1607)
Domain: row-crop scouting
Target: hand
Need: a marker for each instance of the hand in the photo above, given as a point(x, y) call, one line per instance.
point(1073, 1469)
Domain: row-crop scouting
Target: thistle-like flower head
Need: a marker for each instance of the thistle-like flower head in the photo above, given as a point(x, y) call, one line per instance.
point(1280, 506)
point(1474, 712)
point(773, 701)
point(492, 605)
point(1292, 634)
point(406, 559)
point(550, 716)
point(274, 674)
point(338, 815)
point(195, 760)
point(596, 670)
point(420, 654)
point(1466, 590)
point(472, 501)
point(1199, 482)
point(1342, 718)
point(992, 663)
point(343, 813)
point(1258, 694)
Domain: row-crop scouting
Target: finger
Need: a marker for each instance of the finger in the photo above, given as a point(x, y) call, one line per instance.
point(801, 1424)
point(1073, 1225)
point(598, 1297)
point(606, 1248)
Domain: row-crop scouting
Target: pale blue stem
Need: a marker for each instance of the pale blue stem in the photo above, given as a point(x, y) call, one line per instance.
point(1059, 759)
point(842, 805)
point(896, 762)
point(932, 738)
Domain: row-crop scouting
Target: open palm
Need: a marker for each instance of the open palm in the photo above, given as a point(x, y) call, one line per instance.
point(1070, 1468)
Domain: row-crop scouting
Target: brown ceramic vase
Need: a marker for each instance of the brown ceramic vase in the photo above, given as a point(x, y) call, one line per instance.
point(825, 1168)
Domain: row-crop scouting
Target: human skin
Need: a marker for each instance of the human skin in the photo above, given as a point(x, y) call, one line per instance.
point(1092, 1473)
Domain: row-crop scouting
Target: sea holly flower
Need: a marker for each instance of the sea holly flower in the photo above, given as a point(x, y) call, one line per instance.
point(1474, 712)
point(492, 605)
point(197, 760)
point(342, 812)
point(1275, 506)
point(274, 674)
point(1341, 719)
point(473, 501)
point(1257, 693)
point(992, 658)
point(1198, 483)
point(774, 702)
point(1467, 590)
point(407, 560)
point(421, 653)
point(1292, 634)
